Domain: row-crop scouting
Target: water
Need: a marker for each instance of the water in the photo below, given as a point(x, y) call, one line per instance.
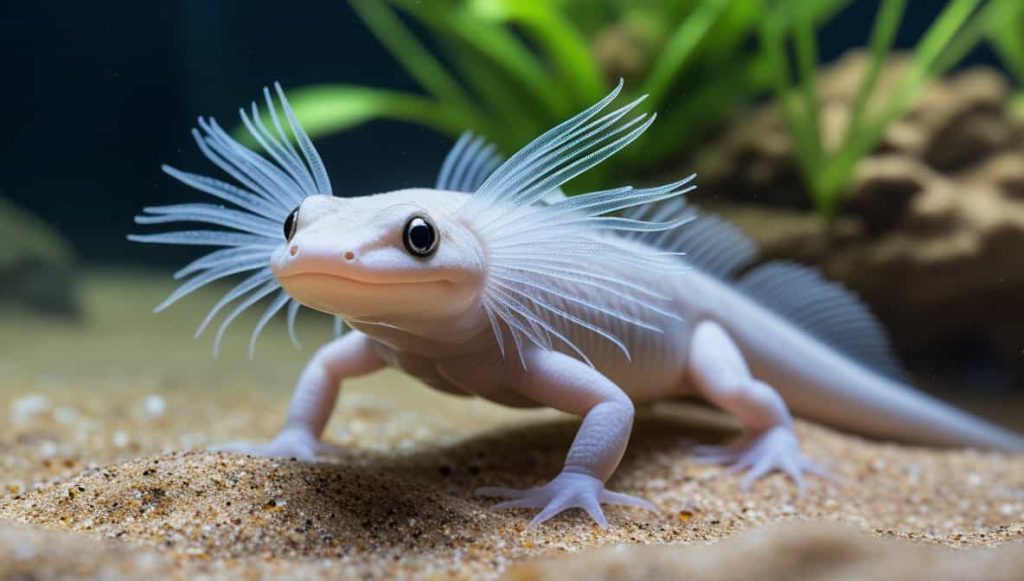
point(104, 96)
point(927, 229)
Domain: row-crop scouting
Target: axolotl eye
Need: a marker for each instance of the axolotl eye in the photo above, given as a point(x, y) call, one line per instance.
point(289, 224)
point(420, 236)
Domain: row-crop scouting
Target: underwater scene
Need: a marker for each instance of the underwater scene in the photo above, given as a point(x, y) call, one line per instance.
point(521, 289)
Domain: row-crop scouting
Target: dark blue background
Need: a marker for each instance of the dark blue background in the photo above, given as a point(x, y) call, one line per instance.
point(97, 96)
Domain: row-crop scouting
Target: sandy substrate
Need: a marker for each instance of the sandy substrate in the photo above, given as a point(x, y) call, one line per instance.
point(98, 478)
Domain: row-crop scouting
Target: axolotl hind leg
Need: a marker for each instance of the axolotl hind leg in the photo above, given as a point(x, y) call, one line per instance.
point(720, 375)
point(566, 384)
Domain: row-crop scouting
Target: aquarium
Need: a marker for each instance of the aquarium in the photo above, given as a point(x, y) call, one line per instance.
point(513, 289)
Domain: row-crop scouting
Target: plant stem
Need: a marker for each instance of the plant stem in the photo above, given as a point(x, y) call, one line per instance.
point(680, 48)
point(504, 49)
point(923, 65)
point(568, 50)
point(882, 35)
point(1006, 31)
point(408, 51)
point(970, 35)
point(939, 36)
point(774, 47)
point(807, 62)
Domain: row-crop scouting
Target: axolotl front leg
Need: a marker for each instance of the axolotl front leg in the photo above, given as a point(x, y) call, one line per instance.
point(315, 394)
point(550, 379)
point(564, 383)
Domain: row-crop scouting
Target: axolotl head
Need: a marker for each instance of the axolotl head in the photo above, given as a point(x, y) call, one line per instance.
point(380, 258)
point(435, 263)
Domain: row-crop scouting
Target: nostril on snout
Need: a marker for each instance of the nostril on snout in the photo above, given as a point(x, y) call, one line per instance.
point(293, 250)
point(350, 255)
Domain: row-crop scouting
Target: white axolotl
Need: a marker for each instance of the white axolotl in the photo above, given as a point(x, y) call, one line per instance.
point(493, 284)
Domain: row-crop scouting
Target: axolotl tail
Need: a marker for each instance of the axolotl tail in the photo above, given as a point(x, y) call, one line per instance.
point(815, 342)
point(821, 383)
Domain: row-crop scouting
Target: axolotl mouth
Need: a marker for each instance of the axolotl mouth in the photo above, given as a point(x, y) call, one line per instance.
point(336, 282)
point(340, 295)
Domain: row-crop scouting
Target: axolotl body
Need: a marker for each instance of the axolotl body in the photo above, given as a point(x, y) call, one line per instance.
point(493, 284)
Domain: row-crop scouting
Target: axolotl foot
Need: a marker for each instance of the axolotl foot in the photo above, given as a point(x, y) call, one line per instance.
point(567, 490)
point(290, 443)
point(774, 449)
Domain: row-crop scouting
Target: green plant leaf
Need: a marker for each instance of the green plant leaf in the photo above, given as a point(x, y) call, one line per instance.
point(324, 109)
point(735, 26)
point(1006, 34)
point(409, 52)
point(510, 120)
point(818, 11)
point(563, 43)
point(496, 43)
point(681, 47)
point(710, 103)
point(773, 45)
point(956, 30)
point(970, 35)
point(883, 33)
point(924, 64)
point(807, 63)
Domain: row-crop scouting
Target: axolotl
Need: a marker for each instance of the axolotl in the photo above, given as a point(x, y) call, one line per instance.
point(494, 284)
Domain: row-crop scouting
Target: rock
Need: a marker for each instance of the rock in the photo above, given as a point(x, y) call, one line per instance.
point(931, 230)
point(957, 122)
point(753, 162)
point(883, 189)
point(1006, 173)
point(783, 234)
point(964, 119)
point(840, 81)
point(36, 264)
point(939, 263)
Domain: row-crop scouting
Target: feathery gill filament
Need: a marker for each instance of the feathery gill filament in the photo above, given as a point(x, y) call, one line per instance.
point(268, 190)
point(532, 246)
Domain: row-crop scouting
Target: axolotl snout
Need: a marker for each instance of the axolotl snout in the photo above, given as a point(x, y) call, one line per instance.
point(494, 284)
point(347, 256)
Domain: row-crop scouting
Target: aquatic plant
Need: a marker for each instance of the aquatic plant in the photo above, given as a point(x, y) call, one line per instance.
point(1005, 28)
point(508, 69)
point(959, 27)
